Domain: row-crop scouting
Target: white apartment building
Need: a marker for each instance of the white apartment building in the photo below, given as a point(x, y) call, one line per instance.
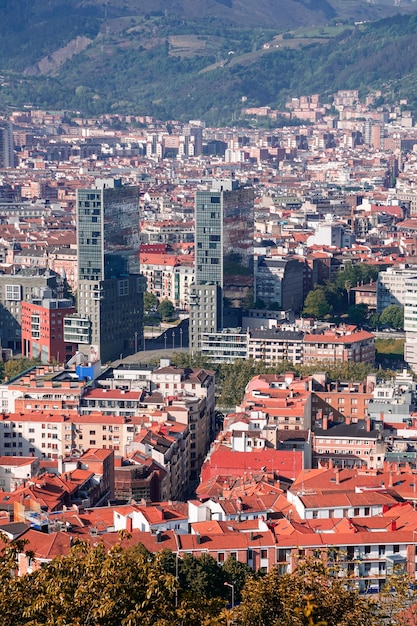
point(35, 434)
point(15, 470)
point(391, 287)
point(410, 322)
point(169, 277)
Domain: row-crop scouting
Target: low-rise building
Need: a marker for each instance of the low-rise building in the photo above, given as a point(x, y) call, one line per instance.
point(43, 330)
point(339, 346)
point(349, 443)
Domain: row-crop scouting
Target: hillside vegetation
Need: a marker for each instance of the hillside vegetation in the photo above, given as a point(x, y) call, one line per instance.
point(98, 57)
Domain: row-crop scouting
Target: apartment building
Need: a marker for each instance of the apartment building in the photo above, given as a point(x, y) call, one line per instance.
point(108, 432)
point(280, 281)
point(349, 443)
point(168, 444)
point(169, 277)
point(121, 402)
point(335, 346)
point(391, 288)
point(36, 434)
point(15, 470)
point(273, 345)
point(43, 388)
point(43, 330)
point(285, 400)
point(23, 286)
point(288, 343)
point(343, 399)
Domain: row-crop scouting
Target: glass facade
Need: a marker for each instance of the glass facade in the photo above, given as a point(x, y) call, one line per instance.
point(224, 228)
point(108, 232)
point(224, 239)
point(110, 289)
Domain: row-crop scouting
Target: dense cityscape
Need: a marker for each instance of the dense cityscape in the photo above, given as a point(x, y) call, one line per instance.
point(140, 262)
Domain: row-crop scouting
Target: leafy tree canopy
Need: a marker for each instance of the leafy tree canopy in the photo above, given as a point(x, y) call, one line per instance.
point(166, 310)
point(128, 586)
point(392, 316)
point(316, 304)
point(13, 367)
point(282, 600)
point(149, 300)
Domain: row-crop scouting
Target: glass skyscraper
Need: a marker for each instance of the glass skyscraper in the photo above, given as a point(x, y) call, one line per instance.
point(110, 286)
point(224, 228)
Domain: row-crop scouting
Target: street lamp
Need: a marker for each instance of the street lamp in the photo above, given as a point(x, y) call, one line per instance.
point(136, 341)
point(173, 339)
point(176, 576)
point(165, 337)
point(232, 587)
point(181, 338)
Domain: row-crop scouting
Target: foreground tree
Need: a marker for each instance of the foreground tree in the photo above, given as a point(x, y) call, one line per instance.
point(93, 586)
point(312, 594)
point(398, 599)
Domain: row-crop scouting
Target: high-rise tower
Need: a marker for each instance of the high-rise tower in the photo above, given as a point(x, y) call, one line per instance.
point(224, 225)
point(110, 287)
point(6, 144)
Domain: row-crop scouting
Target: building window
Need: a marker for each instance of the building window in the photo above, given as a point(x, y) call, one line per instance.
point(13, 292)
point(124, 287)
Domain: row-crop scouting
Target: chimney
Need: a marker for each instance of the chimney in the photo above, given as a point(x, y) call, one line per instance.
point(129, 524)
point(198, 538)
point(368, 424)
point(348, 420)
point(325, 422)
point(337, 475)
point(158, 536)
point(394, 525)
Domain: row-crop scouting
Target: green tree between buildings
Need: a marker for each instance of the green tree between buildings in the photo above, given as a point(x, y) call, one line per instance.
point(316, 304)
point(334, 298)
point(166, 310)
point(149, 301)
point(393, 317)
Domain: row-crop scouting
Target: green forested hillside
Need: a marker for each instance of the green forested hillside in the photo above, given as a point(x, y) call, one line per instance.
point(163, 65)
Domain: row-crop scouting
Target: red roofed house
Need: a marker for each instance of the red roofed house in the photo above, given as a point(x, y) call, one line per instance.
point(226, 462)
point(341, 345)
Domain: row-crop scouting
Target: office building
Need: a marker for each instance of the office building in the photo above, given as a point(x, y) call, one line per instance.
point(110, 287)
point(224, 225)
point(6, 144)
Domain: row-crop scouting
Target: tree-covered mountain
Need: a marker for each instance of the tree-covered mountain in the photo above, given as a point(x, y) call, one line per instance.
point(200, 58)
